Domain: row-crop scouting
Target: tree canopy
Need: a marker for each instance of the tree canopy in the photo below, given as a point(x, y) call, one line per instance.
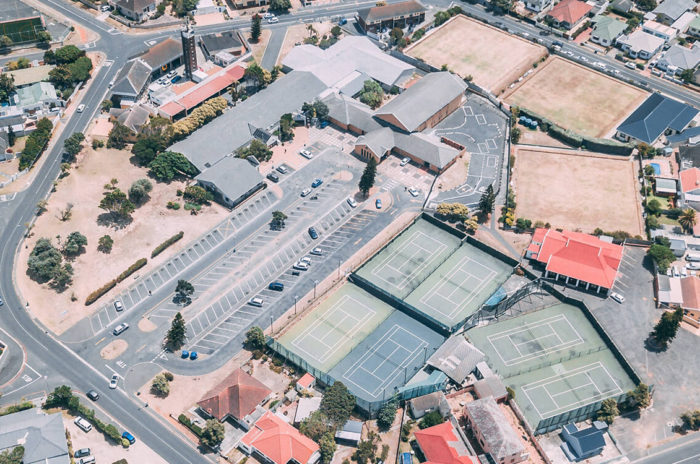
point(177, 333)
point(117, 204)
point(75, 244)
point(118, 136)
point(368, 176)
point(255, 338)
point(213, 433)
point(372, 94)
point(169, 164)
point(666, 329)
point(662, 256)
point(257, 149)
point(337, 403)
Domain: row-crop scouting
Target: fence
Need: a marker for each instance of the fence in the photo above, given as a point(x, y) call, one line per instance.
point(422, 65)
point(13, 178)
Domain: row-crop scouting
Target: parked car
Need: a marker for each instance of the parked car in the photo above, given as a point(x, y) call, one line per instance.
point(118, 305)
point(352, 202)
point(120, 328)
point(299, 266)
point(273, 20)
point(104, 8)
point(405, 161)
point(306, 154)
point(282, 169)
point(83, 424)
point(129, 437)
point(413, 191)
point(268, 15)
point(317, 182)
point(316, 251)
point(114, 381)
point(273, 177)
point(306, 259)
point(175, 79)
point(81, 453)
point(305, 192)
point(171, 74)
point(342, 22)
point(693, 266)
point(80, 108)
point(378, 203)
point(617, 297)
point(87, 460)
point(256, 301)
point(276, 286)
point(312, 233)
point(94, 396)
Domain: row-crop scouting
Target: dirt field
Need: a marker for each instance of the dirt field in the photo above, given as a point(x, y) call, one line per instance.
point(493, 57)
point(576, 190)
point(581, 100)
point(297, 33)
point(152, 224)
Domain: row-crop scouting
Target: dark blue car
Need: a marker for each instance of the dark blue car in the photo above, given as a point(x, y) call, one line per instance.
point(313, 233)
point(176, 79)
point(316, 183)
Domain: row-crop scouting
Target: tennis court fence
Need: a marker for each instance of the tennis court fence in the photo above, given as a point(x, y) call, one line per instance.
point(370, 408)
point(553, 362)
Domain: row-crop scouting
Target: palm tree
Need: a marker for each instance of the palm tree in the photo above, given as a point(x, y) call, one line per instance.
point(311, 29)
point(687, 219)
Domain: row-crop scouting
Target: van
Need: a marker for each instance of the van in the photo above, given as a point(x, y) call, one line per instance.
point(87, 460)
point(83, 424)
point(277, 286)
point(692, 257)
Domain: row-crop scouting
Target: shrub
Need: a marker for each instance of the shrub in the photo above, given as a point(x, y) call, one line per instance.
point(160, 248)
point(131, 269)
point(125, 443)
point(99, 292)
point(168, 376)
point(173, 205)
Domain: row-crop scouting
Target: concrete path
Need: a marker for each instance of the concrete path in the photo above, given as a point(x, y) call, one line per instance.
point(273, 47)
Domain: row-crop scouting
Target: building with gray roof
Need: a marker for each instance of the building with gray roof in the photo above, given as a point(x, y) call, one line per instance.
point(131, 80)
point(232, 180)
point(623, 6)
point(163, 56)
point(679, 58)
point(217, 42)
point(42, 435)
point(387, 17)
point(422, 405)
point(583, 444)
point(640, 44)
point(606, 30)
point(493, 431)
point(670, 10)
point(457, 358)
point(656, 116)
point(350, 114)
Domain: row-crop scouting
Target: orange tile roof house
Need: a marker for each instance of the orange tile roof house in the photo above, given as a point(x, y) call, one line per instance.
point(569, 13)
point(690, 287)
point(306, 382)
point(238, 397)
point(690, 185)
point(567, 255)
point(442, 444)
point(273, 441)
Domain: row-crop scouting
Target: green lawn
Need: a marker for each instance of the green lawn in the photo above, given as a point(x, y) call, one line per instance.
point(668, 221)
point(663, 200)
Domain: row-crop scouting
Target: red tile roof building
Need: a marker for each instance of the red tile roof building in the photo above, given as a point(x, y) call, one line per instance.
point(273, 441)
point(690, 185)
point(306, 382)
point(690, 287)
point(568, 13)
point(573, 255)
point(442, 444)
point(237, 397)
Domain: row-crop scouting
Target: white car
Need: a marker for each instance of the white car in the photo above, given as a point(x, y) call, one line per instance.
point(318, 252)
point(693, 266)
point(301, 266)
point(617, 297)
point(268, 15)
point(306, 260)
point(114, 381)
point(118, 305)
point(306, 154)
point(80, 108)
point(120, 328)
point(273, 20)
point(413, 191)
point(83, 424)
point(256, 301)
point(352, 203)
point(305, 192)
point(405, 161)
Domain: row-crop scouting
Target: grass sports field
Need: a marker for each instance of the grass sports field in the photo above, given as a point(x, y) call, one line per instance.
point(575, 190)
point(492, 57)
point(576, 98)
point(554, 360)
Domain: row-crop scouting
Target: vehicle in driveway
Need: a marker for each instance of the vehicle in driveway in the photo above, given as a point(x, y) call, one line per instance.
point(316, 251)
point(306, 154)
point(617, 297)
point(413, 191)
point(87, 460)
point(352, 203)
point(81, 453)
point(94, 396)
point(118, 305)
point(312, 233)
point(129, 437)
point(301, 266)
point(273, 177)
point(305, 192)
point(405, 161)
point(83, 424)
point(120, 328)
point(114, 381)
point(378, 203)
point(282, 169)
point(276, 286)
point(256, 301)
point(317, 182)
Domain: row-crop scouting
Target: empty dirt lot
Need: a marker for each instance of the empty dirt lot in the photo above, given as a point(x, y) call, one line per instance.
point(578, 99)
point(577, 190)
point(492, 57)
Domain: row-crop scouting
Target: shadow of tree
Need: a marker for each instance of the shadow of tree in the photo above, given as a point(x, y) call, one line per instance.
point(116, 222)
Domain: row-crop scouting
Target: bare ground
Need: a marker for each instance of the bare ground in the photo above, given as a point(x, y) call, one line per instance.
point(258, 48)
point(114, 349)
point(297, 34)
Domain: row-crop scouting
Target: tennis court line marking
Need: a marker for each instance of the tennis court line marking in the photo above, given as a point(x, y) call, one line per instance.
point(358, 365)
point(386, 262)
point(542, 384)
point(330, 351)
point(539, 353)
point(435, 291)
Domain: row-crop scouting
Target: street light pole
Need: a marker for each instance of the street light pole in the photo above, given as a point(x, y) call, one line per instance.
point(339, 268)
point(315, 282)
point(272, 330)
point(296, 297)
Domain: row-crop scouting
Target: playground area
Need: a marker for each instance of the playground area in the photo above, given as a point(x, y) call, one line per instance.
point(555, 361)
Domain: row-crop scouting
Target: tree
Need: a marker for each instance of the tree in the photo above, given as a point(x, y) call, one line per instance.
point(43, 37)
point(184, 291)
point(453, 211)
point(63, 278)
point(687, 75)
point(5, 41)
point(60, 76)
point(688, 219)
point(138, 192)
point(431, 419)
point(639, 398)
point(691, 420)
point(366, 449)
point(259, 76)
point(259, 150)
point(645, 5)
point(286, 127)
point(11, 136)
point(327, 447)
point(666, 329)
point(74, 244)
point(12, 456)
point(106, 105)
point(44, 261)
point(336, 31)
point(632, 24)
point(117, 204)
point(367, 179)
point(278, 218)
point(608, 411)
point(197, 194)
point(387, 414)
point(104, 244)
point(177, 333)
point(337, 404)
point(280, 5)
point(213, 433)
point(160, 385)
point(372, 94)
point(653, 206)
point(662, 256)
point(73, 144)
point(471, 224)
point(118, 136)
point(255, 338)
point(21, 63)
point(396, 34)
point(317, 109)
point(515, 134)
point(65, 55)
point(147, 147)
point(487, 202)
point(7, 86)
point(316, 426)
point(501, 6)
point(80, 69)
point(165, 166)
point(255, 27)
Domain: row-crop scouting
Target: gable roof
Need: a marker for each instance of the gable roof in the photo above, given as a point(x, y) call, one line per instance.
point(690, 287)
point(674, 8)
point(220, 41)
point(569, 11)
point(162, 53)
point(456, 358)
point(435, 401)
point(608, 28)
point(681, 57)
point(394, 10)
point(690, 155)
point(133, 117)
point(134, 5)
point(306, 380)
point(422, 100)
point(349, 111)
point(31, 75)
point(279, 441)
point(441, 444)
point(42, 435)
point(501, 439)
point(36, 93)
point(425, 147)
point(622, 5)
point(238, 394)
point(690, 180)
point(584, 440)
point(132, 78)
point(653, 117)
point(577, 255)
point(641, 41)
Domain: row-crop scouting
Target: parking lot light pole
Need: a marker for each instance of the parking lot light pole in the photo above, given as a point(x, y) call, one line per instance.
point(272, 330)
point(296, 297)
point(315, 283)
point(339, 268)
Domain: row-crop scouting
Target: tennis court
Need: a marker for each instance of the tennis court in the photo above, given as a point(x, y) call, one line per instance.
point(555, 361)
point(460, 285)
point(407, 261)
point(387, 358)
point(329, 332)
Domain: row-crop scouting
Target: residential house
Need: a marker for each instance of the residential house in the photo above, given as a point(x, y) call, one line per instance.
point(690, 287)
point(689, 154)
point(622, 6)
point(576, 258)
point(43, 436)
point(537, 5)
point(134, 117)
point(668, 291)
point(217, 42)
point(669, 11)
point(131, 81)
point(249, 3)
point(664, 187)
point(606, 30)
point(435, 401)
point(31, 75)
point(689, 136)
point(457, 358)
point(491, 386)
point(306, 383)
point(493, 431)
point(14, 119)
point(350, 434)
point(656, 116)
point(164, 56)
point(690, 186)
point(306, 407)
point(232, 180)
point(386, 17)
point(677, 246)
point(238, 397)
point(37, 98)
point(569, 13)
point(444, 444)
point(694, 27)
point(678, 58)
point(583, 444)
point(135, 10)
point(660, 30)
point(683, 23)
point(640, 44)
point(273, 441)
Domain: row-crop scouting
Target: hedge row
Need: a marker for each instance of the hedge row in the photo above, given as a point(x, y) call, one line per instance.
point(184, 420)
point(94, 296)
point(75, 407)
point(610, 147)
point(17, 408)
point(36, 143)
point(159, 249)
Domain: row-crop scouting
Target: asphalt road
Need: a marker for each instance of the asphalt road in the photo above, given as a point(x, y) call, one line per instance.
point(685, 452)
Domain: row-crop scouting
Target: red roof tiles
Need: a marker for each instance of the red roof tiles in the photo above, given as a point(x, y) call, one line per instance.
point(576, 255)
point(202, 92)
point(690, 180)
point(690, 287)
point(237, 395)
point(569, 11)
point(441, 445)
point(306, 380)
point(279, 441)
